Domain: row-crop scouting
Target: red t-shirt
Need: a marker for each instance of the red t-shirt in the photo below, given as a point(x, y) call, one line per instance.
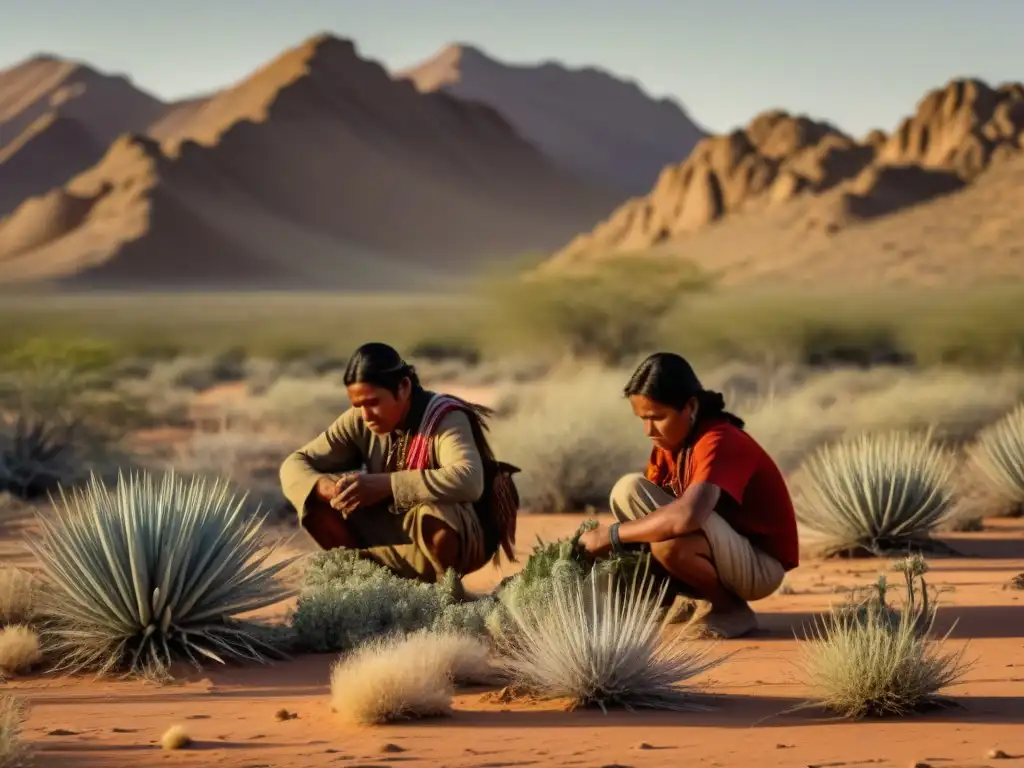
point(759, 506)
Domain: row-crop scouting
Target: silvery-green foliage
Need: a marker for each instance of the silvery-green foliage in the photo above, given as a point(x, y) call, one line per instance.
point(149, 572)
point(998, 456)
point(553, 565)
point(600, 640)
point(36, 454)
point(347, 601)
point(876, 492)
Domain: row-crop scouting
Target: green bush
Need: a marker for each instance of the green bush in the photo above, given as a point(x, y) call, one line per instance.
point(347, 601)
point(610, 313)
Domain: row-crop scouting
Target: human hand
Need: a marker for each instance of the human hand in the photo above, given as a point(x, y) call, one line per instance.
point(362, 490)
point(327, 487)
point(596, 542)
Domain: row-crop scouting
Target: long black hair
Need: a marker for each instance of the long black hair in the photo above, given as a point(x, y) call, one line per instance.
point(381, 366)
point(669, 379)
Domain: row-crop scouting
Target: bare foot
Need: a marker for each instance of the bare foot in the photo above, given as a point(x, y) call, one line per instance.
point(726, 624)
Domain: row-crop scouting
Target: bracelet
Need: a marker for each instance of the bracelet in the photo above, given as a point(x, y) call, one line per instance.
point(613, 535)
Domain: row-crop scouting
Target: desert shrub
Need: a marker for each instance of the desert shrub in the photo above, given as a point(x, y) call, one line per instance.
point(608, 314)
point(19, 649)
point(19, 591)
point(12, 748)
point(1017, 582)
point(50, 432)
point(793, 413)
point(390, 679)
point(574, 437)
point(596, 643)
point(876, 493)
point(153, 571)
point(998, 457)
point(347, 601)
point(876, 660)
point(556, 563)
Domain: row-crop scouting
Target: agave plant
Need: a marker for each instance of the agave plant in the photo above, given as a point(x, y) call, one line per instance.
point(151, 572)
point(599, 640)
point(876, 493)
point(998, 456)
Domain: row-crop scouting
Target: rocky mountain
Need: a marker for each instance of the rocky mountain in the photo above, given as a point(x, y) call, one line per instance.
point(317, 171)
point(57, 118)
point(586, 120)
point(753, 176)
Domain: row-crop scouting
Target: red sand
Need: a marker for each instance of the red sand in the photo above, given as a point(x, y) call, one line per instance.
point(230, 712)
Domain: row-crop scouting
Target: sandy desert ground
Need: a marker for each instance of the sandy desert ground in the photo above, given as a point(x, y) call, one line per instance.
point(231, 712)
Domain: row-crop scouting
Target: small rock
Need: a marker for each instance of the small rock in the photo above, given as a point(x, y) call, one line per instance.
point(283, 714)
point(920, 765)
point(392, 748)
point(197, 717)
point(997, 754)
point(783, 746)
point(61, 732)
point(644, 745)
point(122, 730)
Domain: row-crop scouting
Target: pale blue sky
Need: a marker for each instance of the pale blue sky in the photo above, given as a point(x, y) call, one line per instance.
point(859, 63)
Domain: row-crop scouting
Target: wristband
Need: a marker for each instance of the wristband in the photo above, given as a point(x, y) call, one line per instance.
point(613, 536)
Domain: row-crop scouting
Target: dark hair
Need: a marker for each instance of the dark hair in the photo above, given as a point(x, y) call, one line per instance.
point(668, 379)
point(381, 366)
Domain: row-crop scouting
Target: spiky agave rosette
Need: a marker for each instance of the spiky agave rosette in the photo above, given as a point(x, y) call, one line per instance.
point(876, 494)
point(149, 572)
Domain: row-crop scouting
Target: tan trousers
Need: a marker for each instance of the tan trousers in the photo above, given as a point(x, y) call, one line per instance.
point(396, 540)
point(742, 568)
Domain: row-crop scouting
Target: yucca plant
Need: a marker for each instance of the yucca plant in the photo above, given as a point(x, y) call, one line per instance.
point(877, 660)
point(599, 640)
point(876, 494)
point(151, 572)
point(997, 454)
point(36, 454)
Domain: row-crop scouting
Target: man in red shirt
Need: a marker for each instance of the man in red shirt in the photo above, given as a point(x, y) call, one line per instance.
point(713, 506)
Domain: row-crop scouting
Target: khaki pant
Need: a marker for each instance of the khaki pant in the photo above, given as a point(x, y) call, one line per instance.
point(396, 541)
point(742, 568)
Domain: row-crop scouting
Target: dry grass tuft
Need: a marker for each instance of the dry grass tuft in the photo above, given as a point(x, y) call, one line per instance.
point(465, 659)
point(19, 650)
point(880, 661)
point(12, 749)
point(18, 596)
point(175, 737)
point(394, 679)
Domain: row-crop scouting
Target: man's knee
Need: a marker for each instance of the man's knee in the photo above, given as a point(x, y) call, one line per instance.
point(626, 492)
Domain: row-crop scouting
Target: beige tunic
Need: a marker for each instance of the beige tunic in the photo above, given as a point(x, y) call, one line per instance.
point(392, 535)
